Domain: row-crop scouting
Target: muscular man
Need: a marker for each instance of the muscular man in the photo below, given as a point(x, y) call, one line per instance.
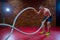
point(47, 18)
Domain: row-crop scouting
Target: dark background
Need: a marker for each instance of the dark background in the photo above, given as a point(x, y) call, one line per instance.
point(58, 12)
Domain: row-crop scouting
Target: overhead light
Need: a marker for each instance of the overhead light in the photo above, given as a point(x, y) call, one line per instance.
point(7, 9)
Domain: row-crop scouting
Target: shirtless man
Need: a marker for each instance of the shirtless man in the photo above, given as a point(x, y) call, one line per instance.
point(47, 18)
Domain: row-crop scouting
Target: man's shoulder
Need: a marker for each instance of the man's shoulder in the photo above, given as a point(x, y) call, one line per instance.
point(46, 9)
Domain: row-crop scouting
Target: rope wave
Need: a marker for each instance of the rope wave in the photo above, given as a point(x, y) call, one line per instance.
point(14, 22)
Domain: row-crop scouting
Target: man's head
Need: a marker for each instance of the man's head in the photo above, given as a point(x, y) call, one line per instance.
point(41, 7)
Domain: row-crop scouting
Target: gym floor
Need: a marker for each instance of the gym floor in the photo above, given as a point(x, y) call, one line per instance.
point(54, 35)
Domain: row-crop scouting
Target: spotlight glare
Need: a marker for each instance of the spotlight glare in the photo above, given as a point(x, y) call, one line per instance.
point(7, 9)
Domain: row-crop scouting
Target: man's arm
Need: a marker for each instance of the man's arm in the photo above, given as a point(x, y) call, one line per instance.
point(39, 11)
point(35, 10)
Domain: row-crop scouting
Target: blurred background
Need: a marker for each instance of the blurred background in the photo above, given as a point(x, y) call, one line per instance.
point(58, 12)
point(10, 8)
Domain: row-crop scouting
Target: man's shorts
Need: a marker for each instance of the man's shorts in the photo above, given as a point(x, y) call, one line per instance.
point(49, 19)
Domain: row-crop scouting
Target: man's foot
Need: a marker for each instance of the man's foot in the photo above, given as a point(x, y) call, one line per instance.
point(47, 34)
point(42, 32)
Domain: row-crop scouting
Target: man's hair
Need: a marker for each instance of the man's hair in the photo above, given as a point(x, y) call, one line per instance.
point(40, 6)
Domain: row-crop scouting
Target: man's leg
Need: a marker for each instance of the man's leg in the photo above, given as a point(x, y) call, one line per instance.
point(43, 30)
point(48, 27)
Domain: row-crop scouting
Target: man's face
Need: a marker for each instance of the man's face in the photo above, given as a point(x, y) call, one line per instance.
point(41, 8)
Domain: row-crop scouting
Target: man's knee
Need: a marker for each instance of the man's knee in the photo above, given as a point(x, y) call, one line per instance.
point(48, 23)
